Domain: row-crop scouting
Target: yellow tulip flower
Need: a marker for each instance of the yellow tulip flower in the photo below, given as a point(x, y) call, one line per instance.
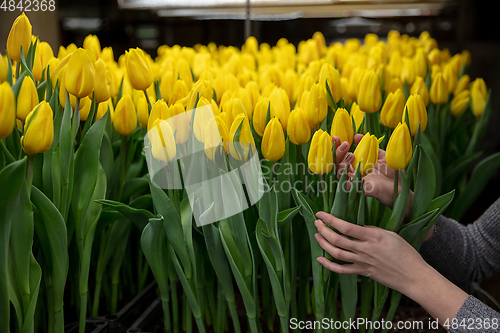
point(7, 110)
point(320, 157)
point(342, 126)
point(399, 149)
point(38, 130)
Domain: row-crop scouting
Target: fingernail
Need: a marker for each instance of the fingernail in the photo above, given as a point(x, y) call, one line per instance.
point(316, 223)
point(343, 146)
point(320, 215)
point(320, 260)
point(316, 236)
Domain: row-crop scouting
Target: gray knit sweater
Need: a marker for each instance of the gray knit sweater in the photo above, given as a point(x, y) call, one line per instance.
point(466, 254)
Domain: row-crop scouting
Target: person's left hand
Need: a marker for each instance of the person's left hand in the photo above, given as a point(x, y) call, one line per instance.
point(374, 252)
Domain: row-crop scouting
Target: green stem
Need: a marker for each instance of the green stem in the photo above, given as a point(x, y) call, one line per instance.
point(166, 315)
point(123, 156)
point(325, 194)
point(147, 99)
point(83, 312)
point(396, 187)
point(234, 317)
point(253, 325)
point(175, 305)
point(29, 176)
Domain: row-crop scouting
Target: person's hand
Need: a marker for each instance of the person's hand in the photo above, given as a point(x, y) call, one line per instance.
point(379, 254)
point(388, 259)
point(379, 184)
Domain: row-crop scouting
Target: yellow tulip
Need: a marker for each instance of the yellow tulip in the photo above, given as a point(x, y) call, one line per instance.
point(27, 98)
point(202, 88)
point(125, 117)
point(38, 130)
point(393, 108)
point(399, 149)
point(357, 114)
point(408, 71)
point(462, 84)
point(280, 106)
point(419, 87)
point(138, 70)
point(354, 80)
point(450, 76)
point(478, 95)
point(91, 43)
point(289, 83)
point(260, 115)
point(253, 92)
point(142, 109)
point(417, 113)
point(439, 90)
point(202, 117)
point(273, 141)
point(298, 129)
point(159, 110)
point(331, 75)
point(103, 108)
point(434, 57)
point(163, 145)
point(80, 74)
point(7, 110)
point(179, 92)
point(107, 54)
point(342, 126)
point(369, 97)
point(459, 103)
point(183, 72)
point(214, 138)
point(234, 107)
point(316, 106)
point(52, 65)
point(393, 85)
point(43, 54)
point(85, 105)
point(102, 87)
point(305, 82)
point(344, 85)
point(366, 154)
point(3, 68)
point(320, 157)
point(244, 141)
point(420, 61)
point(19, 35)
point(395, 64)
point(167, 85)
point(466, 57)
point(180, 122)
point(435, 69)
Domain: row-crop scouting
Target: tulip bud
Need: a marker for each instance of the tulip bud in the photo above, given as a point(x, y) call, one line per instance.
point(102, 87)
point(234, 107)
point(215, 138)
point(159, 110)
point(417, 113)
point(408, 71)
point(138, 70)
point(167, 85)
point(393, 85)
point(419, 87)
point(273, 141)
point(253, 92)
point(142, 109)
point(450, 76)
point(462, 84)
point(478, 95)
point(344, 85)
point(342, 126)
point(434, 57)
point(103, 108)
point(241, 145)
point(466, 57)
point(459, 103)
point(38, 130)
point(357, 114)
point(201, 88)
point(320, 157)
point(392, 110)
point(183, 72)
point(305, 82)
point(7, 110)
point(298, 129)
point(395, 64)
point(125, 117)
point(399, 149)
point(202, 118)
point(27, 98)
point(316, 106)
point(439, 90)
point(260, 115)
point(162, 141)
point(435, 69)
point(366, 153)
point(180, 92)
point(4, 65)
point(91, 43)
point(180, 121)
point(19, 35)
point(80, 74)
point(107, 54)
point(329, 75)
point(280, 106)
point(354, 80)
point(420, 61)
point(85, 105)
point(43, 54)
point(369, 97)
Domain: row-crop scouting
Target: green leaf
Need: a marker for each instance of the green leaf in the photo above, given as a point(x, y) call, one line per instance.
point(339, 208)
point(329, 97)
point(425, 185)
point(268, 210)
point(399, 210)
point(139, 217)
point(478, 180)
point(409, 231)
point(286, 216)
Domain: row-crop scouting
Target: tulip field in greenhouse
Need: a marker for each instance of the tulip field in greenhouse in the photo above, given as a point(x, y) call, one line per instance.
point(107, 164)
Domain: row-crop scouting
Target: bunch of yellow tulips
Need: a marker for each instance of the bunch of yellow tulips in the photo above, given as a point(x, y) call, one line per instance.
point(72, 131)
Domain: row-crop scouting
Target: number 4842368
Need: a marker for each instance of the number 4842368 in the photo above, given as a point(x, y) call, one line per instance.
point(28, 5)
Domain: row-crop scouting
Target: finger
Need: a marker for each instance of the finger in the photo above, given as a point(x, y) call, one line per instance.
point(337, 240)
point(357, 138)
point(336, 252)
point(344, 227)
point(337, 268)
point(336, 141)
point(341, 151)
point(347, 161)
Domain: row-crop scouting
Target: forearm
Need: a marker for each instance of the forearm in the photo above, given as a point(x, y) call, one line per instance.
point(437, 295)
